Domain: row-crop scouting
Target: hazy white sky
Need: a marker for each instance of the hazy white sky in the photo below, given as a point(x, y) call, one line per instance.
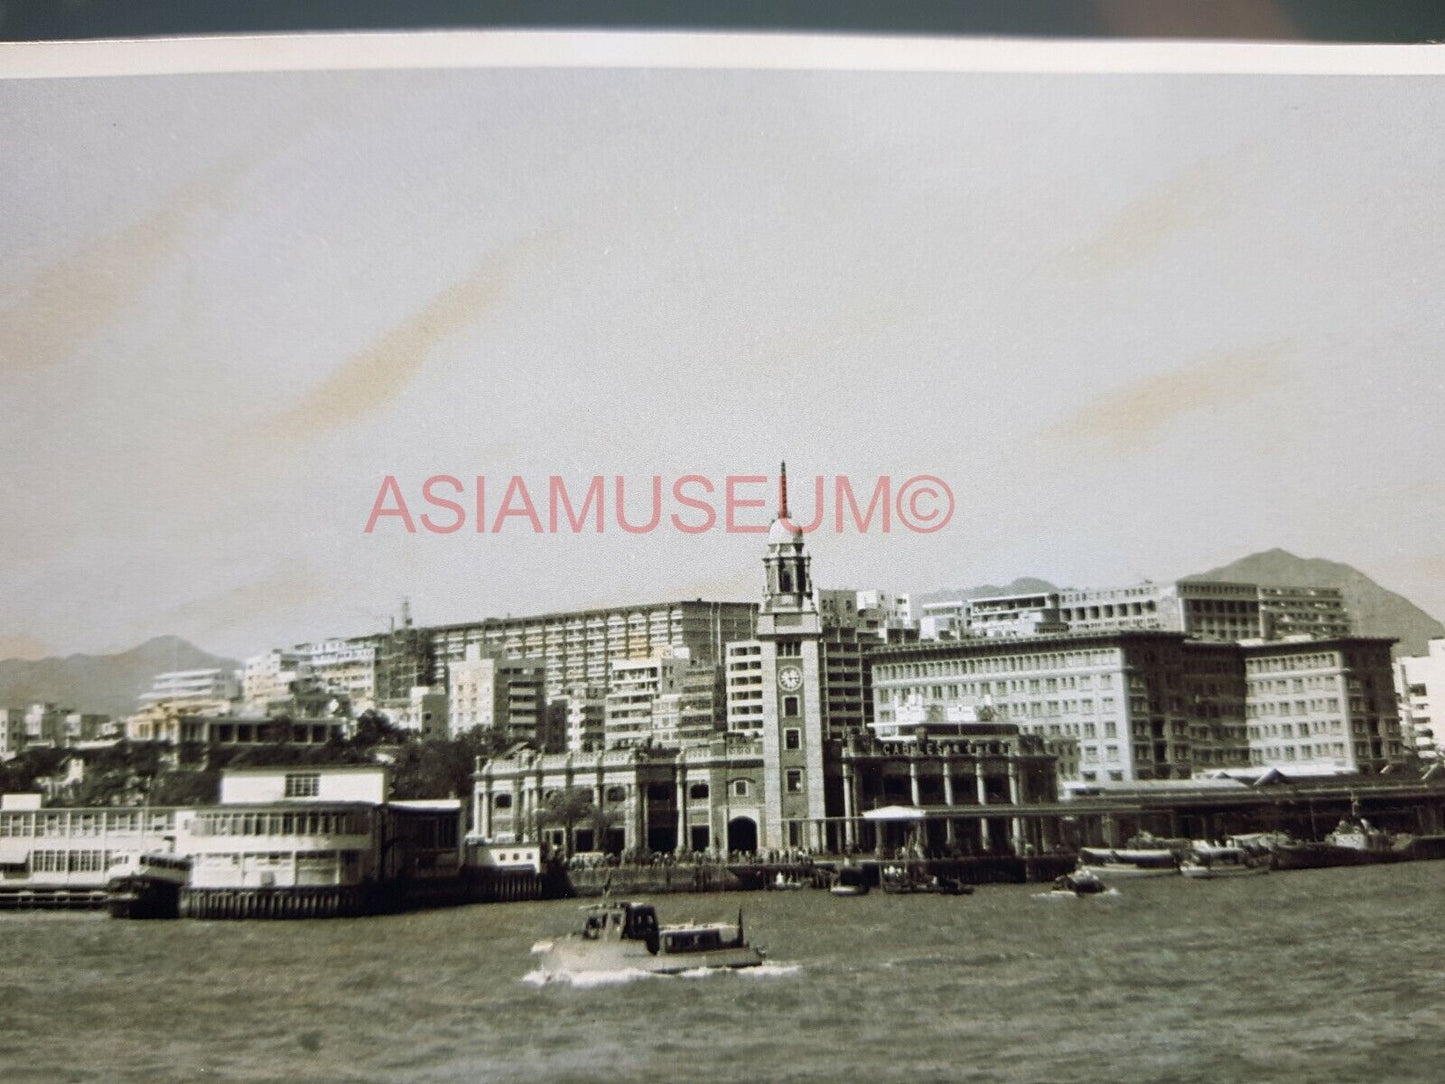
point(1143, 325)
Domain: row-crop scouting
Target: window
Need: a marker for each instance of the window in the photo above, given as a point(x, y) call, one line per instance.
point(502, 801)
point(792, 738)
point(303, 785)
point(794, 781)
point(740, 788)
point(790, 707)
point(616, 794)
point(698, 791)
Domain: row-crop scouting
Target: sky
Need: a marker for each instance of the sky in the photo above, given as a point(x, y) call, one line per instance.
point(1142, 325)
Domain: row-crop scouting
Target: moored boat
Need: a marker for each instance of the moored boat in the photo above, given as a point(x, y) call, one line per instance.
point(621, 936)
point(850, 881)
point(908, 880)
point(1127, 863)
point(146, 885)
point(1208, 861)
point(1354, 842)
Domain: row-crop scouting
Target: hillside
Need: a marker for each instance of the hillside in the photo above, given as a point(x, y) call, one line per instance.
point(107, 684)
point(1377, 611)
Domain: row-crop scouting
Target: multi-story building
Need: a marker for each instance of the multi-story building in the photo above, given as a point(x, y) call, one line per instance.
point(1014, 615)
point(633, 688)
point(425, 709)
point(882, 615)
point(584, 711)
point(1201, 609)
point(1111, 705)
point(1322, 706)
point(203, 690)
point(1419, 681)
point(696, 713)
point(494, 692)
point(268, 677)
point(12, 732)
point(1316, 612)
point(341, 666)
point(1155, 705)
point(577, 647)
point(401, 657)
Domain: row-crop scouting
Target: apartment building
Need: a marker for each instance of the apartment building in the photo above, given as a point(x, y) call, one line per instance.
point(491, 692)
point(577, 648)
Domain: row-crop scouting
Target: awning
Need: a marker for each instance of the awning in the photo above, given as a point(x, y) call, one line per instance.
point(895, 813)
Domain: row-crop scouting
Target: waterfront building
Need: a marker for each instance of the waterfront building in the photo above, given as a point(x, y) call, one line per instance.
point(1419, 681)
point(296, 842)
point(577, 647)
point(1318, 706)
point(65, 851)
point(1110, 706)
point(1142, 705)
point(203, 690)
point(496, 692)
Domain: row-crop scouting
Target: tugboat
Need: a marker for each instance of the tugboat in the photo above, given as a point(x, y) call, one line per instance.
point(146, 885)
point(621, 936)
point(1081, 882)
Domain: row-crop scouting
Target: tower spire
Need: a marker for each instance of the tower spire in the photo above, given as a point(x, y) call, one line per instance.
point(783, 491)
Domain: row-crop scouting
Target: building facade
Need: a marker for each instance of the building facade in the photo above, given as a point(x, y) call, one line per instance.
point(576, 648)
point(495, 692)
point(1419, 682)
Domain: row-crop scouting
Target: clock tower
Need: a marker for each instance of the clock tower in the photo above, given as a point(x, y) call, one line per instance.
point(789, 631)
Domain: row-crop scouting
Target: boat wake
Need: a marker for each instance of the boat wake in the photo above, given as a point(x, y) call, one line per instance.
point(1108, 893)
point(587, 980)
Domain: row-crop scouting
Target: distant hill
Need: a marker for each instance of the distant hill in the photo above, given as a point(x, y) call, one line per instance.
point(1376, 611)
point(107, 684)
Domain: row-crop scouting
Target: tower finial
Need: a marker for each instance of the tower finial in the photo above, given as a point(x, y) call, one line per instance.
point(783, 491)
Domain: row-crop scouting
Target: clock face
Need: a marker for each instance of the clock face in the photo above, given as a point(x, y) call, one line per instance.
point(790, 679)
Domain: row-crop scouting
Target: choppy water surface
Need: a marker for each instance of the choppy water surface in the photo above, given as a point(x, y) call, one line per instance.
point(1326, 975)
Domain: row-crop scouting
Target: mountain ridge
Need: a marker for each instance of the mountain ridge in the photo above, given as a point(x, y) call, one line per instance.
point(103, 684)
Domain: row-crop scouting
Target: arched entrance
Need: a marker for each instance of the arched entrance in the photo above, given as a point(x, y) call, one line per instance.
point(742, 834)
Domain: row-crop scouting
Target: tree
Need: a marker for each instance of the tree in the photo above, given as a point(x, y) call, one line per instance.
point(566, 809)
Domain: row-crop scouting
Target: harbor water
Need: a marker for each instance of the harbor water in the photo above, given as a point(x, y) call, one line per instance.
point(1323, 975)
